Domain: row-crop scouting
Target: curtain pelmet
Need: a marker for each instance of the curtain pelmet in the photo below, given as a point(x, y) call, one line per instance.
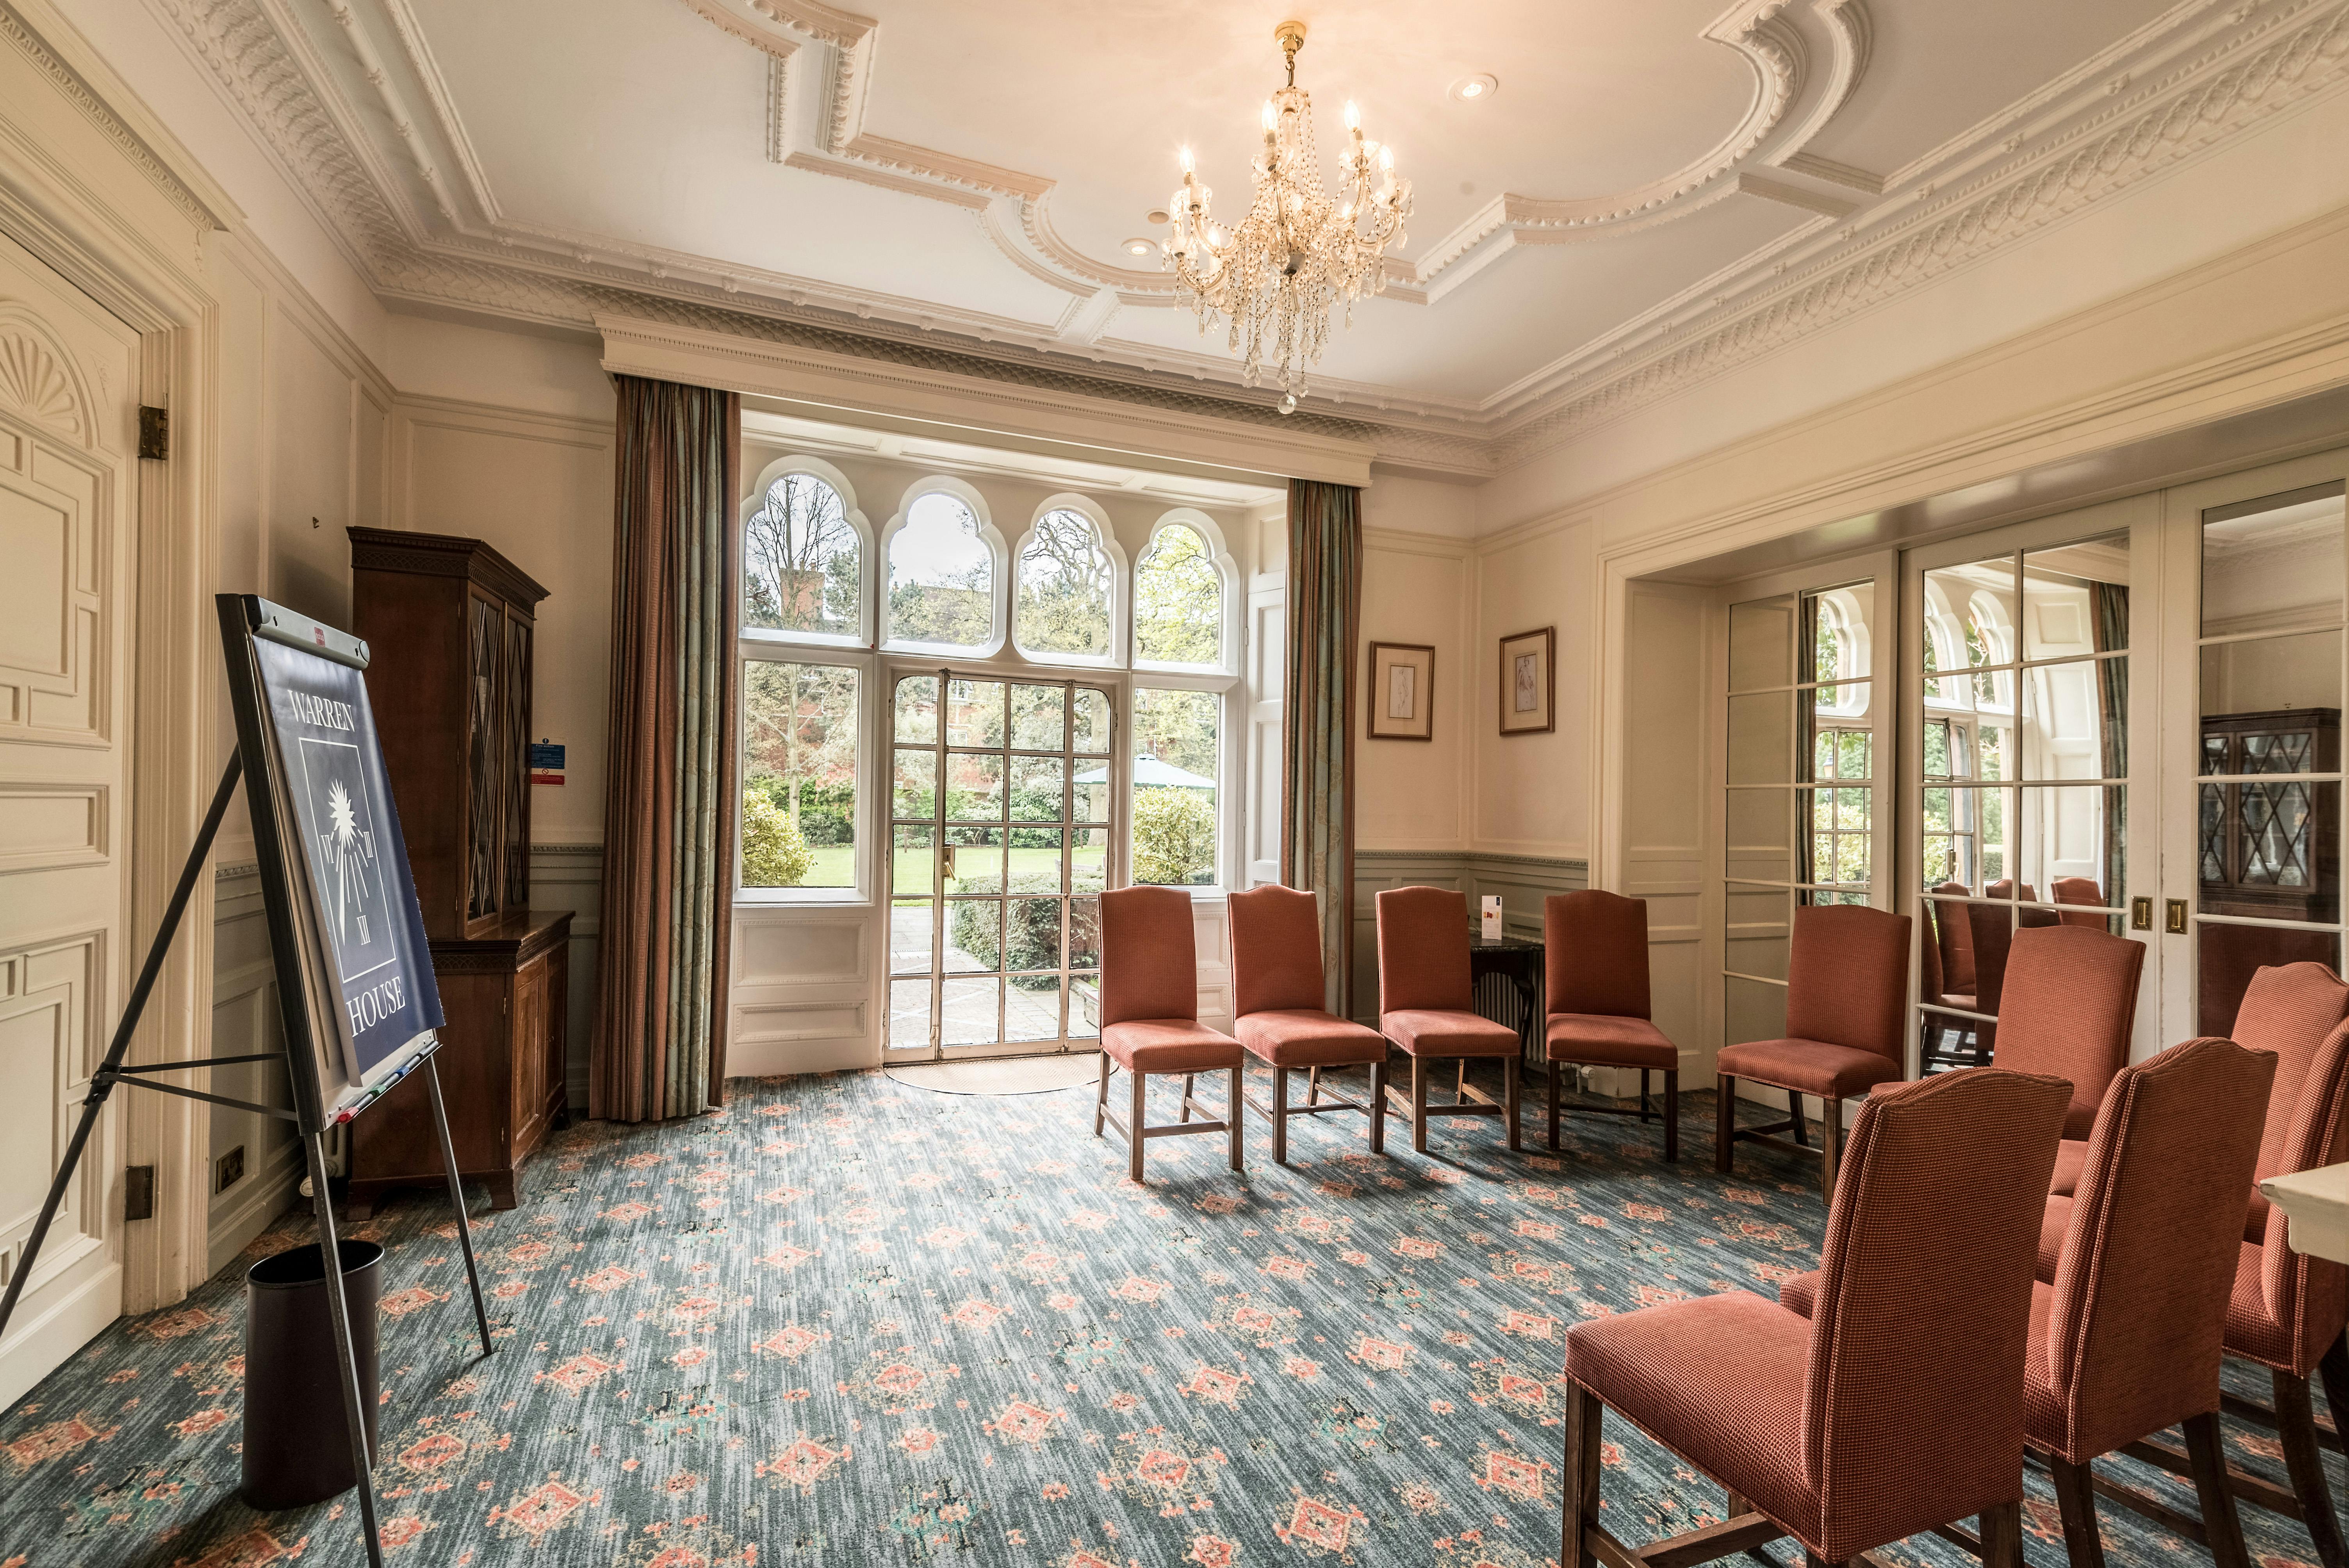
point(1324, 613)
point(659, 1044)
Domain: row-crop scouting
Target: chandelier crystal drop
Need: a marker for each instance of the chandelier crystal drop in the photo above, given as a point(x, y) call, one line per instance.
point(1298, 251)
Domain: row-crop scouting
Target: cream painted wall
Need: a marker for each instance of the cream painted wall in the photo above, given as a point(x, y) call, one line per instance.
point(1533, 792)
point(1409, 794)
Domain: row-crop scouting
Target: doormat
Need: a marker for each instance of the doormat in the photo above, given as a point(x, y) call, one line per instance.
point(1002, 1075)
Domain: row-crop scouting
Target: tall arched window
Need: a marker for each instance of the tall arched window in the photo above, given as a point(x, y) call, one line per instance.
point(1066, 588)
point(1178, 600)
point(803, 559)
point(941, 584)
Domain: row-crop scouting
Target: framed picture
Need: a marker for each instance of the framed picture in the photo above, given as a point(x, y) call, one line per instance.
point(1403, 692)
point(1528, 691)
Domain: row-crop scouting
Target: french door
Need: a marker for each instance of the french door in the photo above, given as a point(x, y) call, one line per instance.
point(2027, 681)
point(1003, 809)
point(2251, 732)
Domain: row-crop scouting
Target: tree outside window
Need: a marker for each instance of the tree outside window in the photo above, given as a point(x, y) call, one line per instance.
point(803, 562)
point(1177, 744)
point(799, 775)
point(1065, 578)
point(941, 577)
point(1179, 600)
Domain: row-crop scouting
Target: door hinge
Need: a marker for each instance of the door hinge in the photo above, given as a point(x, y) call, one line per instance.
point(138, 1192)
point(154, 433)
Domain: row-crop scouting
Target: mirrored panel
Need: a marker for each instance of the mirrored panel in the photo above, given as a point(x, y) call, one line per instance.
point(2226, 957)
point(1752, 1010)
point(2273, 564)
point(1838, 630)
point(2269, 849)
point(2256, 684)
point(1760, 837)
point(1837, 840)
point(1755, 930)
point(2076, 598)
point(1762, 643)
point(2074, 722)
point(1761, 739)
point(2072, 849)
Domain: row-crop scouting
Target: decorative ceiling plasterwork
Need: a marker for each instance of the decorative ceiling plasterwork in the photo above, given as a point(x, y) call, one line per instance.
point(2207, 70)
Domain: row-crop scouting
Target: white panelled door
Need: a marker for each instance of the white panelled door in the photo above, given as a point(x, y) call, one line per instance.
point(68, 424)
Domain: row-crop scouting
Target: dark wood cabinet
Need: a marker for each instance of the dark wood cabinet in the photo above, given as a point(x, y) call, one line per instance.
point(2266, 849)
point(449, 622)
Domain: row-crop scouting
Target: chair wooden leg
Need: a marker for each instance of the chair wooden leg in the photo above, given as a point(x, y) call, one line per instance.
point(1671, 1117)
point(2220, 1520)
point(1643, 1094)
point(1134, 1128)
point(2296, 1425)
point(1513, 1078)
point(2075, 1501)
point(1187, 1097)
point(1460, 1089)
point(1725, 1127)
point(1830, 1144)
point(1379, 1107)
point(1554, 1102)
point(1802, 1124)
point(1234, 1115)
point(2001, 1535)
point(1281, 1116)
point(1584, 1426)
point(1418, 1105)
point(1101, 1100)
point(2334, 1369)
point(1313, 1085)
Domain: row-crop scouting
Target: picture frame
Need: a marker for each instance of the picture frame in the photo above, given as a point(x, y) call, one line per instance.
point(1529, 682)
point(1400, 701)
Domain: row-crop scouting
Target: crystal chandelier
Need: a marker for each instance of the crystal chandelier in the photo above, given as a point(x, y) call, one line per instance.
point(1297, 251)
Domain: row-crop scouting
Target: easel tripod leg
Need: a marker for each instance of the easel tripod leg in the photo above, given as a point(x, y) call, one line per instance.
point(457, 1197)
point(354, 1411)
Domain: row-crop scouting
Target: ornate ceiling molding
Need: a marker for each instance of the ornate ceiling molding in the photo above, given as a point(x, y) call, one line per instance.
point(2208, 70)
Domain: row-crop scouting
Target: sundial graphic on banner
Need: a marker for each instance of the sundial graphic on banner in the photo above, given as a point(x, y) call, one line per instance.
point(353, 891)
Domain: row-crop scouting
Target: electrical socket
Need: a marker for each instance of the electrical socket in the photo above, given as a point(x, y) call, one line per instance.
point(228, 1170)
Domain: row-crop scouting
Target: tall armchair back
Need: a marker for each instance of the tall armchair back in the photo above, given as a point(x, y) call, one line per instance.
point(1275, 952)
point(2067, 1010)
point(2139, 1308)
point(1847, 977)
point(1149, 966)
point(1935, 1221)
point(1423, 951)
point(1596, 944)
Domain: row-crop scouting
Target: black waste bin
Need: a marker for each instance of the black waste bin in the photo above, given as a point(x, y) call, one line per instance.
point(298, 1446)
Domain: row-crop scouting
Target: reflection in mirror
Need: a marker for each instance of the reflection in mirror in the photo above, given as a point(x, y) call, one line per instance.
point(2227, 955)
point(2075, 721)
point(1836, 846)
point(2073, 848)
point(1758, 835)
point(1755, 930)
point(1761, 739)
point(1837, 625)
point(1752, 1010)
point(2273, 564)
point(2076, 598)
point(2260, 678)
point(1762, 644)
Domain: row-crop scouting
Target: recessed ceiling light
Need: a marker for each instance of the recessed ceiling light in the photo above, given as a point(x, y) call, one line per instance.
point(1140, 247)
point(1469, 90)
point(1156, 217)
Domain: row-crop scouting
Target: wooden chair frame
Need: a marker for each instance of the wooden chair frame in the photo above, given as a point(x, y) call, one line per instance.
point(1644, 1111)
point(1317, 1104)
point(1585, 1542)
point(1727, 1134)
point(2292, 1417)
point(1137, 1134)
point(1467, 1099)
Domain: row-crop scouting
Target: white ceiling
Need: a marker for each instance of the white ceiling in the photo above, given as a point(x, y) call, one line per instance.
point(972, 170)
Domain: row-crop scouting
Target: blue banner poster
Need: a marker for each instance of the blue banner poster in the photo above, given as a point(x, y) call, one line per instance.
point(361, 899)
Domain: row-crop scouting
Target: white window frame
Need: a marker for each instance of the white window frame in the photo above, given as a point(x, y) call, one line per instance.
point(1227, 770)
point(868, 666)
point(1228, 583)
point(868, 562)
point(1121, 588)
point(999, 599)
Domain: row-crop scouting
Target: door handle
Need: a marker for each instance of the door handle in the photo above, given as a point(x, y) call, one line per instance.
point(2140, 914)
point(2176, 922)
point(945, 863)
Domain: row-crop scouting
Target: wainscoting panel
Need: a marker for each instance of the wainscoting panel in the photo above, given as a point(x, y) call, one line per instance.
point(1521, 881)
point(246, 1020)
point(808, 990)
point(571, 876)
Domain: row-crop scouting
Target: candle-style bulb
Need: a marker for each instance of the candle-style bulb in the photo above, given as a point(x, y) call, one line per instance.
point(1354, 116)
point(1386, 159)
point(1189, 162)
point(1271, 114)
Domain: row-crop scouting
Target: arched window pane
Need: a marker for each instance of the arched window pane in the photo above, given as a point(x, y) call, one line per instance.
point(1179, 600)
point(802, 564)
point(941, 577)
point(1064, 588)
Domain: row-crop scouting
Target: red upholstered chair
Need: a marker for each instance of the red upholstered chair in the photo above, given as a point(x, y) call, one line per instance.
point(1597, 946)
point(1860, 1427)
point(1426, 1004)
point(2125, 1343)
point(1276, 980)
point(1941, 1034)
point(2079, 891)
point(1993, 938)
point(1847, 990)
point(2287, 1309)
point(2068, 1008)
point(1150, 1016)
point(1956, 940)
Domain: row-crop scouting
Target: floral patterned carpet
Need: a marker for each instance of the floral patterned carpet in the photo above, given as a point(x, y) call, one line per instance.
point(846, 1320)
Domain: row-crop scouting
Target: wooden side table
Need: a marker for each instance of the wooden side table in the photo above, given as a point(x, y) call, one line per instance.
point(2317, 1204)
point(1509, 975)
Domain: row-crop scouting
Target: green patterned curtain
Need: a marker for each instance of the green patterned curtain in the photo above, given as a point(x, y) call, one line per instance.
point(2112, 606)
point(668, 811)
point(1317, 753)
